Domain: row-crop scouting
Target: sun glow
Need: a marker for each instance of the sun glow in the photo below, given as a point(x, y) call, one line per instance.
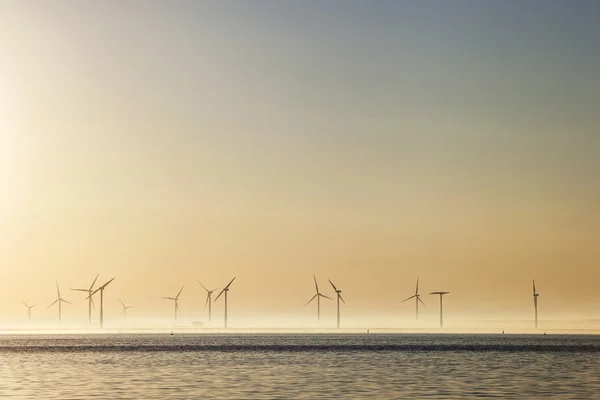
point(7, 152)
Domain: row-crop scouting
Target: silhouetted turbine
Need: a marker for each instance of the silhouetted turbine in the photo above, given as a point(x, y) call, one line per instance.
point(441, 307)
point(535, 301)
point(176, 300)
point(125, 308)
point(101, 290)
point(417, 298)
point(28, 309)
point(208, 300)
point(225, 290)
point(318, 297)
point(60, 300)
point(339, 297)
point(90, 298)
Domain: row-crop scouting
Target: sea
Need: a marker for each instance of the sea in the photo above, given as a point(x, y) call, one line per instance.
point(299, 366)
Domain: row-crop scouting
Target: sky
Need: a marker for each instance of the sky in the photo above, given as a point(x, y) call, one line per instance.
point(366, 142)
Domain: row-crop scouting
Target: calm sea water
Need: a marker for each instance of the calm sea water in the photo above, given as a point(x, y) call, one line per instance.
point(299, 366)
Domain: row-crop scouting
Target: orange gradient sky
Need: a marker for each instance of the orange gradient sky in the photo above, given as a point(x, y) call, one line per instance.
point(366, 143)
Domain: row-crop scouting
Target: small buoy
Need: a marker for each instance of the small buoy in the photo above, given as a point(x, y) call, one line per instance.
point(171, 333)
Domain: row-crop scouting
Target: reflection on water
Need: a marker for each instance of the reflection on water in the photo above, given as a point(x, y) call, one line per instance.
point(299, 366)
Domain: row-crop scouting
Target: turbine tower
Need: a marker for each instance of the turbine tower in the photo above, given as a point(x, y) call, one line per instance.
point(339, 297)
point(225, 290)
point(28, 309)
point(60, 300)
point(417, 298)
point(176, 300)
point(535, 300)
point(441, 307)
point(125, 308)
point(318, 297)
point(101, 290)
point(90, 298)
point(208, 300)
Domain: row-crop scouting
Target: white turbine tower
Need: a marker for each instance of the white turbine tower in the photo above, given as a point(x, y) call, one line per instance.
point(176, 301)
point(339, 297)
point(535, 301)
point(125, 308)
point(101, 290)
point(318, 297)
point(89, 291)
point(208, 303)
point(58, 300)
point(225, 290)
point(441, 307)
point(28, 309)
point(417, 298)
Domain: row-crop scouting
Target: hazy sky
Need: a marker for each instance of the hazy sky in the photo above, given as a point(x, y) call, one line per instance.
point(369, 142)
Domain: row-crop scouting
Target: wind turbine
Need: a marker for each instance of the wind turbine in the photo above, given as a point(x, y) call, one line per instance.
point(176, 300)
point(125, 308)
point(318, 297)
point(441, 307)
point(28, 309)
point(417, 298)
point(101, 290)
point(339, 297)
point(60, 300)
point(90, 298)
point(225, 290)
point(535, 299)
point(208, 300)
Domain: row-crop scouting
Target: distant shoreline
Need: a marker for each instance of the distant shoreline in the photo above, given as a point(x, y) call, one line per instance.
point(246, 330)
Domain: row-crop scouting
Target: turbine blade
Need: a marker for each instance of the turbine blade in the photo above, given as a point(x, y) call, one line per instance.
point(24, 303)
point(419, 298)
point(65, 301)
point(207, 299)
point(123, 311)
point(341, 298)
point(219, 294)
point(93, 283)
point(121, 301)
point(314, 297)
point(417, 290)
point(229, 284)
point(180, 290)
point(57, 290)
point(52, 304)
point(81, 290)
point(411, 297)
point(34, 305)
point(334, 288)
point(534, 287)
point(169, 298)
point(327, 297)
point(202, 285)
point(316, 285)
point(93, 305)
point(106, 284)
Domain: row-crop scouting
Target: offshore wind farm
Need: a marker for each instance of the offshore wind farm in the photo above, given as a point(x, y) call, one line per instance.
point(197, 319)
